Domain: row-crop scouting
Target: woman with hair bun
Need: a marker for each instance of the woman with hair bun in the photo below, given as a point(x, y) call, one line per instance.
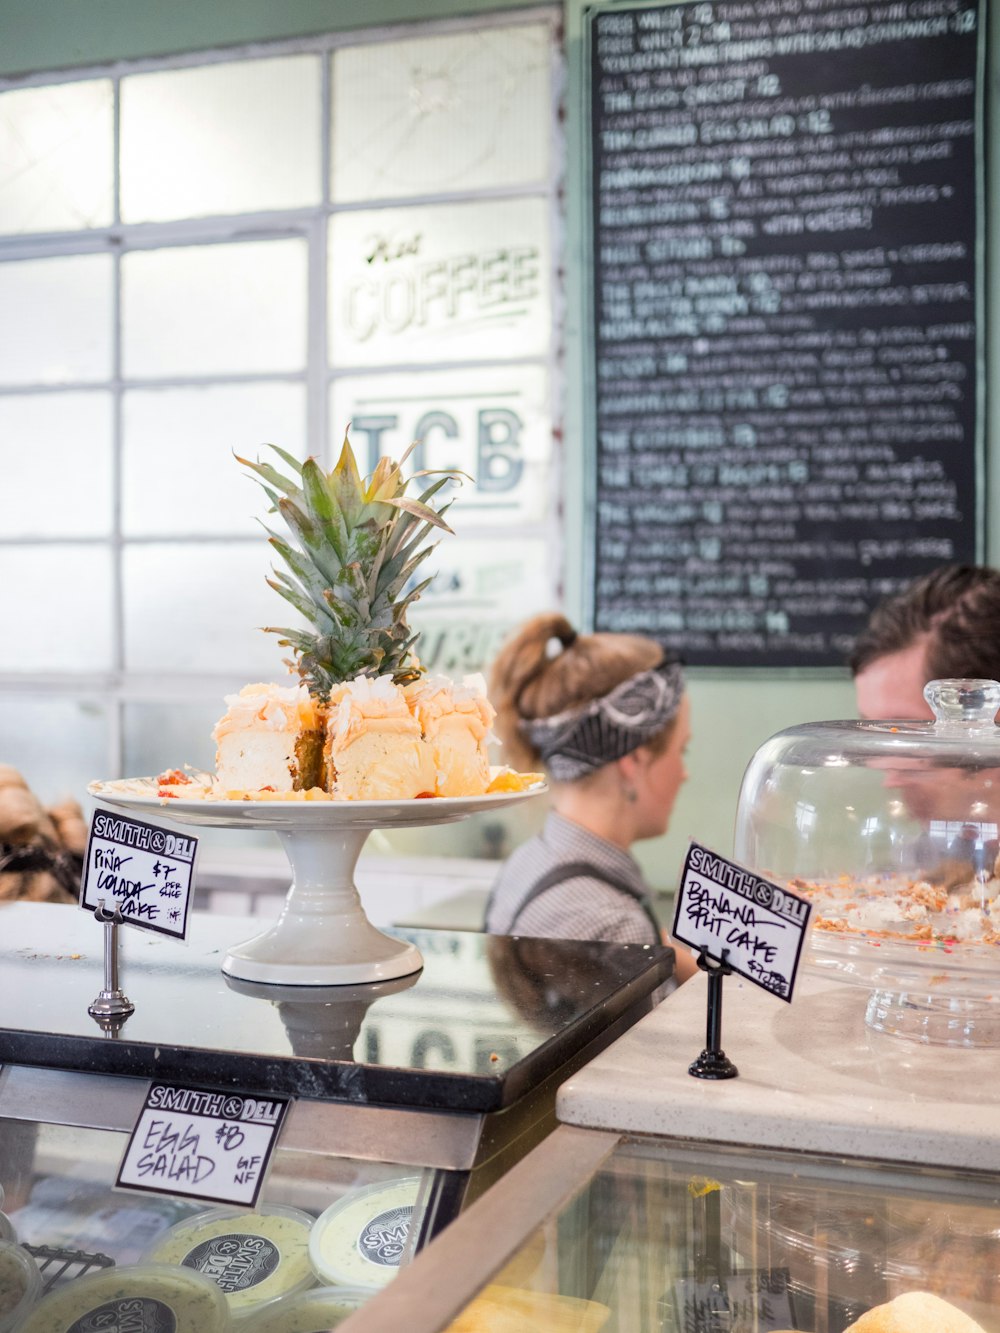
point(607, 716)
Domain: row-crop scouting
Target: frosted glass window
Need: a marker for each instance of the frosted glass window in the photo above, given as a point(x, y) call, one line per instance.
point(56, 157)
point(57, 745)
point(197, 607)
point(55, 320)
point(440, 283)
point(55, 458)
point(170, 735)
point(492, 423)
point(179, 475)
point(459, 111)
point(481, 591)
point(215, 309)
point(230, 138)
point(55, 608)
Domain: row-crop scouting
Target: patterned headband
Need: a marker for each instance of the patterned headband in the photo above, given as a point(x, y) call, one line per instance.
point(581, 740)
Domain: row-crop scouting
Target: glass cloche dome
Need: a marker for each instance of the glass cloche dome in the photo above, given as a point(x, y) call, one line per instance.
point(892, 830)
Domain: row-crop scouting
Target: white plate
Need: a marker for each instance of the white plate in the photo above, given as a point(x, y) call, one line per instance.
point(126, 794)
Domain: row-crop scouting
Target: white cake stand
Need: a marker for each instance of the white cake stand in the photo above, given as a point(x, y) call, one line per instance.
point(322, 937)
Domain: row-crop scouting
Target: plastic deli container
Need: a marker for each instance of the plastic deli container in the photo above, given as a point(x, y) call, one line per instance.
point(254, 1258)
point(360, 1240)
point(315, 1311)
point(152, 1296)
point(20, 1285)
point(7, 1232)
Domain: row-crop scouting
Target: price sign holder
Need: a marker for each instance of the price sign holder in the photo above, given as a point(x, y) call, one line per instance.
point(737, 921)
point(112, 1005)
point(713, 1061)
point(202, 1143)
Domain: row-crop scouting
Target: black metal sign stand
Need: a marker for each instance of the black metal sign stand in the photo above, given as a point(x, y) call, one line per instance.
point(713, 1061)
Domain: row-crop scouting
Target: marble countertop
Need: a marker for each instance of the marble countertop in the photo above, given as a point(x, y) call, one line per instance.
point(812, 1077)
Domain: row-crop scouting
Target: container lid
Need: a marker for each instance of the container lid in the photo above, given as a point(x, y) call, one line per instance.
point(892, 830)
point(253, 1257)
point(161, 1296)
point(314, 1311)
point(20, 1285)
point(361, 1239)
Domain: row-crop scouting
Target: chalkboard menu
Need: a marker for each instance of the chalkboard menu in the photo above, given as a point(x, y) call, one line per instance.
point(787, 233)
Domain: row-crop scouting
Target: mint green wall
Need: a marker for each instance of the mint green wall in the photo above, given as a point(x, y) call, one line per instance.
point(732, 714)
point(60, 34)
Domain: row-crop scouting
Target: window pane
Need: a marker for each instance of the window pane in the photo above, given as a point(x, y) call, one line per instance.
point(441, 283)
point(56, 157)
point(491, 423)
point(481, 591)
point(231, 138)
point(197, 608)
point(57, 745)
point(179, 473)
point(55, 608)
point(200, 310)
point(55, 320)
point(55, 456)
point(170, 735)
point(461, 111)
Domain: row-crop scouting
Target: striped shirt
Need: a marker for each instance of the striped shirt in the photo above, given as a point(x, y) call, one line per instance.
point(582, 908)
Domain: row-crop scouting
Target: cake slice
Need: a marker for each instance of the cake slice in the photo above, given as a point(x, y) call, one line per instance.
point(455, 723)
point(373, 749)
point(270, 738)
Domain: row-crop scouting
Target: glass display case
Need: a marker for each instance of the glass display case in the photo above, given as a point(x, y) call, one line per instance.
point(892, 830)
point(407, 1099)
point(841, 1170)
point(639, 1235)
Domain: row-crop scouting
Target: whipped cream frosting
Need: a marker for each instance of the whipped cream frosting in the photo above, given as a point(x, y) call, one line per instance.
point(273, 707)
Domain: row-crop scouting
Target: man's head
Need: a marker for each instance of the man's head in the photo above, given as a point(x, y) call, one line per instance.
point(945, 625)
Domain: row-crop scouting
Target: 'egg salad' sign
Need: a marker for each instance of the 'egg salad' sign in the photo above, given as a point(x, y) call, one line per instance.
point(144, 870)
point(205, 1145)
point(753, 926)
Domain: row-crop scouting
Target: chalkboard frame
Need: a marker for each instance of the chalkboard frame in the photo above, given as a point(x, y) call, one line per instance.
point(977, 511)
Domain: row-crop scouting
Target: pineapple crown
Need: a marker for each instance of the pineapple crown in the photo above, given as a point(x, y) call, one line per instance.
point(356, 543)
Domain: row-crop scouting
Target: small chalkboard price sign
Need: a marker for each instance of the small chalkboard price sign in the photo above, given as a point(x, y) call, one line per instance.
point(144, 870)
point(738, 922)
point(207, 1145)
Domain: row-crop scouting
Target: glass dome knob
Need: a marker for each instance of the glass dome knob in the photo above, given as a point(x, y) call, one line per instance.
point(971, 704)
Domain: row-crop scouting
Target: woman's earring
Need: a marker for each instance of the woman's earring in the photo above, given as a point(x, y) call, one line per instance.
point(630, 794)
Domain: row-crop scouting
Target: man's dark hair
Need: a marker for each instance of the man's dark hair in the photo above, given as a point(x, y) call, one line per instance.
point(955, 608)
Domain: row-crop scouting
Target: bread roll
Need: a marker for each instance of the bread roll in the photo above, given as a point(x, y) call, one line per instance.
point(10, 777)
point(915, 1312)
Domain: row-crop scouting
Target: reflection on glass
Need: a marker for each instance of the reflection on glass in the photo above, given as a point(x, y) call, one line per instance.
point(57, 745)
point(56, 151)
point(199, 431)
point(230, 138)
point(55, 607)
point(215, 309)
point(445, 282)
point(491, 423)
point(72, 432)
point(457, 111)
point(197, 608)
point(55, 320)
